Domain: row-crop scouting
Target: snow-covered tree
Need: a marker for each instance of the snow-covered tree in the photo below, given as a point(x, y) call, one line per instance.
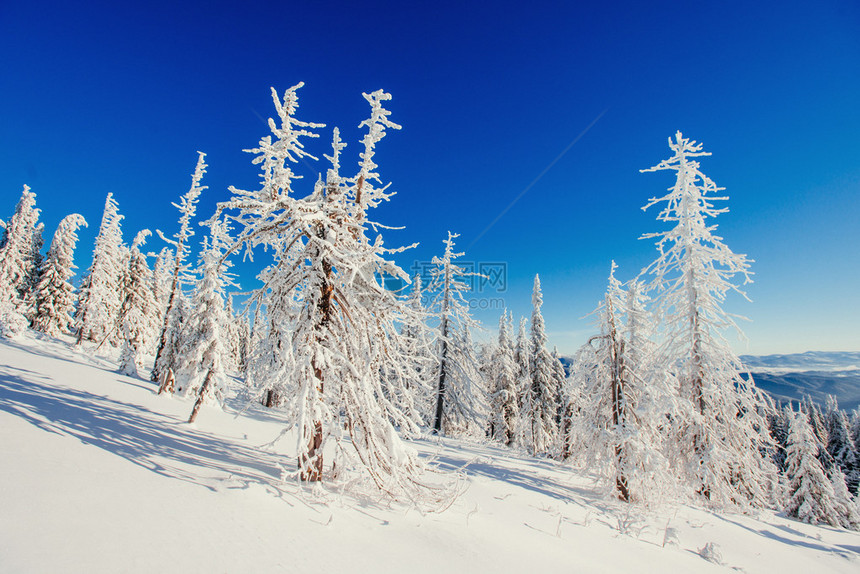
point(200, 366)
point(541, 401)
point(722, 436)
point(54, 296)
point(457, 403)
point(849, 517)
point(136, 316)
point(162, 278)
point(187, 207)
point(619, 416)
point(810, 494)
point(778, 422)
point(504, 407)
point(840, 444)
point(818, 423)
point(415, 395)
point(100, 295)
point(19, 258)
point(323, 294)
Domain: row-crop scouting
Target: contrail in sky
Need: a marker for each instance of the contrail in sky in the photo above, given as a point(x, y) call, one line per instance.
point(535, 180)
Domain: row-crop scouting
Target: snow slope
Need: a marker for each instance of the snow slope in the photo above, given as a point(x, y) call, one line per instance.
point(99, 474)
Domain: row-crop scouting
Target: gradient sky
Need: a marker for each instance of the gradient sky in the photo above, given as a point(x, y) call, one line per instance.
point(100, 97)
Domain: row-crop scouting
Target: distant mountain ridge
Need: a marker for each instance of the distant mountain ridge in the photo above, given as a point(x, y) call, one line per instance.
point(791, 377)
point(809, 361)
point(816, 374)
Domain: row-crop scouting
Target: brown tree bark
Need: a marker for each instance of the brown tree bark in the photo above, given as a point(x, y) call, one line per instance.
point(206, 383)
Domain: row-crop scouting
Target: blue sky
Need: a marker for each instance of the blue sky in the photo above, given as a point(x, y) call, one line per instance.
point(102, 97)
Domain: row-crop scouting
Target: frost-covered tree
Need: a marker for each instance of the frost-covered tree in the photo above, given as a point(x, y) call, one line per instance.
point(818, 423)
point(100, 295)
point(187, 207)
point(840, 444)
point(504, 408)
point(54, 296)
point(778, 422)
point(162, 278)
point(136, 314)
point(542, 396)
point(19, 258)
point(416, 394)
point(324, 295)
point(849, 517)
point(722, 436)
point(618, 422)
point(810, 494)
point(457, 404)
point(200, 365)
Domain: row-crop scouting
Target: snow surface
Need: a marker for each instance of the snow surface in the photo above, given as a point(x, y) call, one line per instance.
point(99, 474)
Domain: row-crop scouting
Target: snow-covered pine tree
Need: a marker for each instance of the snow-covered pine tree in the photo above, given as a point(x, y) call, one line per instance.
point(810, 494)
point(200, 365)
point(467, 389)
point(840, 445)
point(722, 436)
point(54, 295)
point(136, 313)
point(324, 292)
point(242, 329)
point(849, 517)
point(100, 295)
point(456, 401)
point(18, 259)
point(504, 409)
point(620, 416)
point(37, 260)
point(418, 351)
point(855, 429)
point(187, 207)
point(817, 422)
point(162, 277)
point(779, 421)
point(542, 396)
point(522, 358)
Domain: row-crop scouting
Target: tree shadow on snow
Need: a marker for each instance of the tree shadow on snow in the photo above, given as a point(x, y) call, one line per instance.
point(146, 438)
point(517, 471)
point(798, 539)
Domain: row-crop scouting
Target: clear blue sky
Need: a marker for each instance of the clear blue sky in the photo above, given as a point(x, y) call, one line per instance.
point(100, 97)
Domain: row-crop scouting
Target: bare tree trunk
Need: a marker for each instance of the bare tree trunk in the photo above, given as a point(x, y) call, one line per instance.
point(272, 399)
point(616, 358)
point(203, 390)
point(162, 339)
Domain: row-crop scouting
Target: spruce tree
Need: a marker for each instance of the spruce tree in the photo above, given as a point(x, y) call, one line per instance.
point(810, 494)
point(841, 446)
point(100, 295)
point(722, 436)
point(187, 207)
point(54, 295)
point(542, 397)
point(619, 417)
point(200, 365)
point(136, 318)
point(504, 409)
point(332, 322)
point(19, 258)
point(457, 401)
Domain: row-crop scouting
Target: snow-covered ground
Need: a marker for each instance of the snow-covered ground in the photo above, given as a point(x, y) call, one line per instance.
point(98, 474)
